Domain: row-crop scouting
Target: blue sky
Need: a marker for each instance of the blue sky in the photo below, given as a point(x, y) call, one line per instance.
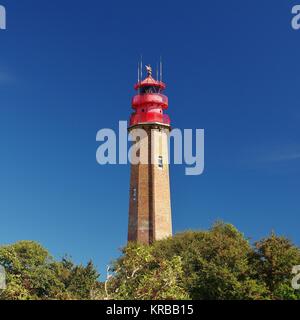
point(67, 69)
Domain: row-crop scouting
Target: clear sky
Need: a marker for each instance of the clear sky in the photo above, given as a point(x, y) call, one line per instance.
point(67, 69)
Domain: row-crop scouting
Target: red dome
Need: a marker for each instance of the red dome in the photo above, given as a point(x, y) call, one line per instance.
point(150, 81)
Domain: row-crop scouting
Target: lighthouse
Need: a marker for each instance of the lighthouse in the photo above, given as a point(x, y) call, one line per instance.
point(150, 202)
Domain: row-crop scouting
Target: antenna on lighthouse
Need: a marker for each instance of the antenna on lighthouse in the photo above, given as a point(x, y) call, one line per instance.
point(157, 72)
point(138, 72)
point(161, 69)
point(141, 70)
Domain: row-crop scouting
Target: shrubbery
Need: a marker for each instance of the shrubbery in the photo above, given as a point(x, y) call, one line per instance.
point(216, 264)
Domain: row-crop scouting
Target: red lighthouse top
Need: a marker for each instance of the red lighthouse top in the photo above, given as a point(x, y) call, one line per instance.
point(149, 103)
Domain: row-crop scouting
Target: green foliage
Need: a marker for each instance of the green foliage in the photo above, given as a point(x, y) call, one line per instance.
point(32, 274)
point(273, 260)
point(139, 275)
point(217, 264)
point(80, 280)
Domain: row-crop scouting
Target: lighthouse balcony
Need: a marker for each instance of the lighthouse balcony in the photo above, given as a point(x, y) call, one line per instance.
point(138, 118)
point(150, 99)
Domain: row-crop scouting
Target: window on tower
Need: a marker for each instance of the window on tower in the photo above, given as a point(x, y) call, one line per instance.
point(134, 192)
point(149, 89)
point(160, 162)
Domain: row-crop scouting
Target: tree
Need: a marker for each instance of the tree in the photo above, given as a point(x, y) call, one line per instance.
point(218, 264)
point(78, 279)
point(139, 275)
point(273, 260)
point(215, 263)
point(33, 274)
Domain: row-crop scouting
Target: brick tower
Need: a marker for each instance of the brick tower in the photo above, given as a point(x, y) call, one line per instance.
point(150, 204)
